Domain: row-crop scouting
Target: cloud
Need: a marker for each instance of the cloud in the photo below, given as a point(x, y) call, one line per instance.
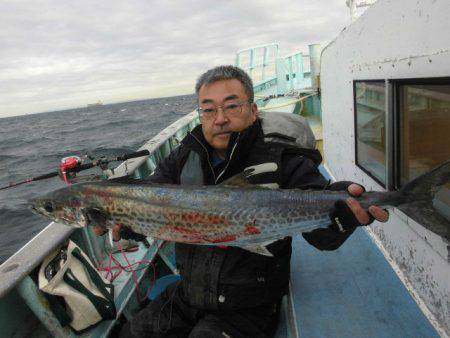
point(56, 55)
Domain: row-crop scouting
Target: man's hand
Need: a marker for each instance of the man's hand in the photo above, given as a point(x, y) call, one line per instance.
point(361, 215)
point(100, 230)
point(348, 214)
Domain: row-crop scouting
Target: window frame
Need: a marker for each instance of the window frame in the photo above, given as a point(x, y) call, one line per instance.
point(392, 124)
point(396, 102)
point(356, 128)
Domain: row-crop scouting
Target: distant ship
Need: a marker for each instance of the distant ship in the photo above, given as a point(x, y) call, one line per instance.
point(97, 104)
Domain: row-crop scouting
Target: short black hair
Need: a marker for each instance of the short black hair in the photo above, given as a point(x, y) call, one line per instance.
point(227, 72)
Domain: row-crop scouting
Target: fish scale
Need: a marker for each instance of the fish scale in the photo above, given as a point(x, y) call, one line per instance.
point(234, 213)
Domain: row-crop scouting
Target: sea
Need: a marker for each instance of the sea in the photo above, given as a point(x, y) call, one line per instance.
point(34, 144)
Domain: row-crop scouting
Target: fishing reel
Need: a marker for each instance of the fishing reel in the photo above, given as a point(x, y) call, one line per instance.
point(66, 168)
point(71, 165)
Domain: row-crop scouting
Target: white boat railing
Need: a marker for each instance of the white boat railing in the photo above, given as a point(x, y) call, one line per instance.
point(159, 147)
point(268, 69)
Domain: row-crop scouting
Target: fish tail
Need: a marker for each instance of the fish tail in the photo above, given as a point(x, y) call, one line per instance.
point(426, 185)
point(421, 199)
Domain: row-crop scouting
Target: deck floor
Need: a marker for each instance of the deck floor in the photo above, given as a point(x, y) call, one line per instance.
point(352, 292)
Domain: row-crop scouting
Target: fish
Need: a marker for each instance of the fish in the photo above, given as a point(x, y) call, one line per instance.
point(234, 213)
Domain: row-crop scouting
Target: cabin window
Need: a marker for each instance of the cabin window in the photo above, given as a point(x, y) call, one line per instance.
point(424, 127)
point(370, 128)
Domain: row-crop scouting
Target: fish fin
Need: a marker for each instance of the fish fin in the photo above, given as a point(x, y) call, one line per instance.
point(258, 249)
point(266, 243)
point(238, 180)
point(425, 214)
point(422, 199)
point(429, 183)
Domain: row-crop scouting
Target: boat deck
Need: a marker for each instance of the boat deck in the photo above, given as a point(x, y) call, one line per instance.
point(352, 292)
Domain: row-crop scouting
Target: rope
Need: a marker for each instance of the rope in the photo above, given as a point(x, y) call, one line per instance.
point(128, 268)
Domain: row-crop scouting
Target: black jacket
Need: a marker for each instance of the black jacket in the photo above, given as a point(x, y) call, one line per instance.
point(227, 278)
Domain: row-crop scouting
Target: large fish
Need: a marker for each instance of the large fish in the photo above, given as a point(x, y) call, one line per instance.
point(234, 213)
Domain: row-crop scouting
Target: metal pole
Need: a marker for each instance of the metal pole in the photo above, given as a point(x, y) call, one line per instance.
point(265, 58)
point(314, 60)
point(300, 72)
point(251, 63)
point(291, 73)
point(281, 76)
point(41, 308)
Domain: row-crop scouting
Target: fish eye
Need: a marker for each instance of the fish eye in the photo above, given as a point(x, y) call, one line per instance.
point(48, 207)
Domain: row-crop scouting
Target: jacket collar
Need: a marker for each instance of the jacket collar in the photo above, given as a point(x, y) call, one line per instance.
point(239, 147)
point(196, 141)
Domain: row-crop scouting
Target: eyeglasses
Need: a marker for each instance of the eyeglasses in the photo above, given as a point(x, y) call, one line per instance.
point(230, 109)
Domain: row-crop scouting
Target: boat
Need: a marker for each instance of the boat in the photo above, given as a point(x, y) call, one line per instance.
point(96, 104)
point(368, 96)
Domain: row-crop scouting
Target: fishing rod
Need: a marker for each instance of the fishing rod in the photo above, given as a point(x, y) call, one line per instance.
point(71, 165)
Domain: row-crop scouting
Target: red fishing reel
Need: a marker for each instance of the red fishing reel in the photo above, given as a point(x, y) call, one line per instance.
point(67, 166)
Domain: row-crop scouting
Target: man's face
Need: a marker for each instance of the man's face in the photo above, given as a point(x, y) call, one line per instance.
point(217, 129)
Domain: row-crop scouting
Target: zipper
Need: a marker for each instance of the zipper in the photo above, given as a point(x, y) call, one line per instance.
point(231, 155)
point(207, 155)
point(208, 159)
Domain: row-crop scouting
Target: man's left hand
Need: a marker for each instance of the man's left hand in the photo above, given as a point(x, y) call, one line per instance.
point(345, 217)
point(362, 215)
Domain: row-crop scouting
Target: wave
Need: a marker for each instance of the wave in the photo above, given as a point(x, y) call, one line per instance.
point(120, 123)
point(18, 227)
point(100, 126)
point(9, 157)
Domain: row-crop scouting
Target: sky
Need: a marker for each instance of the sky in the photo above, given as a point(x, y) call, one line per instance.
point(57, 55)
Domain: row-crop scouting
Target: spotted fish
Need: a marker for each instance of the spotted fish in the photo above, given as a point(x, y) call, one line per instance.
point(234, 213)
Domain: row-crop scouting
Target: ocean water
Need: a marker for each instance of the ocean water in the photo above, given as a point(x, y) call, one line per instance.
point(33, 145)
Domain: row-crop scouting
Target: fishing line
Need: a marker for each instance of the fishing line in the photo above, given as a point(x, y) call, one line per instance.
point(170, 313)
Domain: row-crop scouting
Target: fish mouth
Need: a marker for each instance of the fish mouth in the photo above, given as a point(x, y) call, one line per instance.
point(37, 210)
point(69, 222)
point(32, 203)
point(36, 206)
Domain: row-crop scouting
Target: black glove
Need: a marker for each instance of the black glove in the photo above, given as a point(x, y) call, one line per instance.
point(128, 233)
point(342, 217)
point(343, 224)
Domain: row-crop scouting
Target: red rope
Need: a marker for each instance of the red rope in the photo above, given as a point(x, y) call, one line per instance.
point(111, 276)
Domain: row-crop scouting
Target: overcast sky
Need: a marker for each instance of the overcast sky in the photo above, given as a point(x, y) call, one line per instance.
point(61, 54)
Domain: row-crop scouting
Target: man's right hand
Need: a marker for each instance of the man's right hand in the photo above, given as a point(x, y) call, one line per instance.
point(100, 230)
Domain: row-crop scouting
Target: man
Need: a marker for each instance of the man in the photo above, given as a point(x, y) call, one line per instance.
point(228, 291)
